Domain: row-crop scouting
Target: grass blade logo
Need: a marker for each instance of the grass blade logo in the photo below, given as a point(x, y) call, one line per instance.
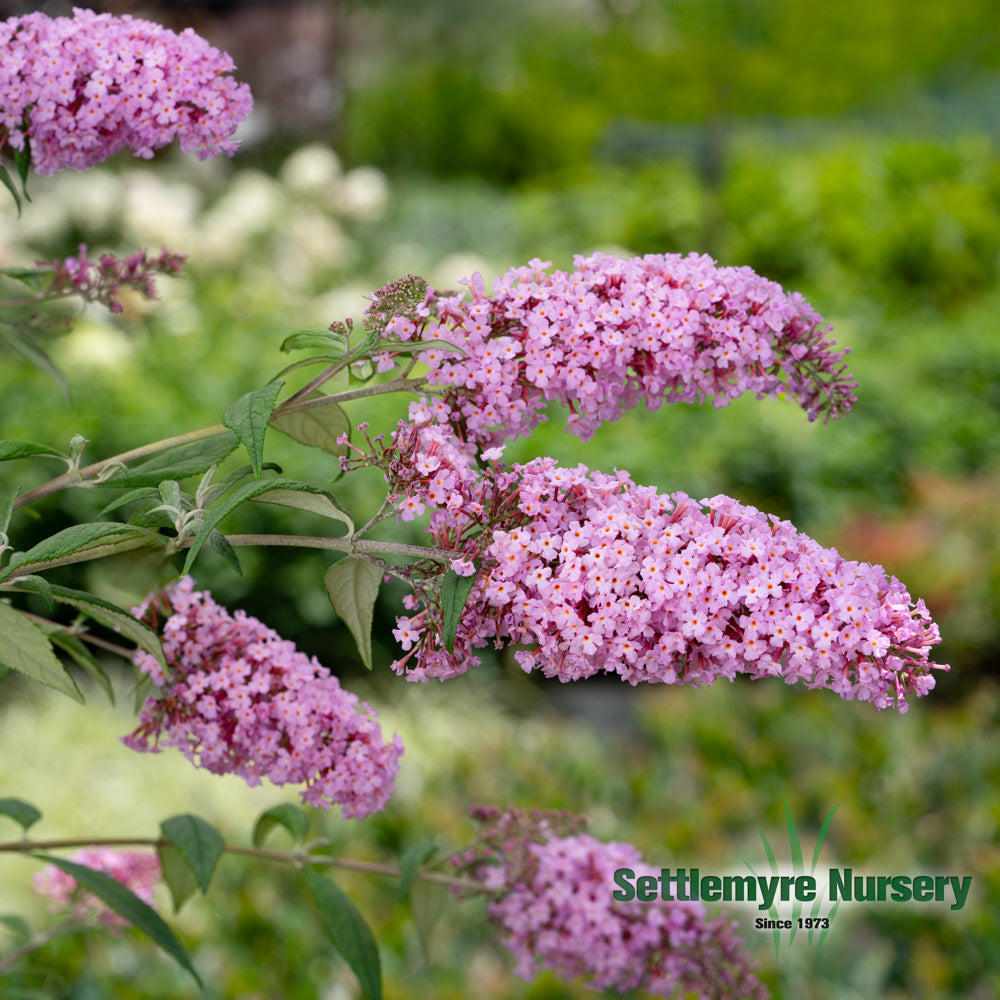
point(814, 923)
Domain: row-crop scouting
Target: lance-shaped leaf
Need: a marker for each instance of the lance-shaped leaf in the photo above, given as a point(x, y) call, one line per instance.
point(18, 926)
point(288, 815)
point(178, 463)
point(20, 337)
point(108, 614)
point(248, 417)
point(353, 586)
point(347, 929)
point(6, 511)
point(219, 544)
point(455, 592)
point(142, 493)
point(413, 857)
point(427, 901)
point(417, 346)
point(246, 492)
point(318, 426)
point(21, 812)
point(312, 499)
point(126, 904)
point(25, 649)
point(177, 874)
point(16, 448)
point(84, 541)
point(83, 658)
point(200, 844)
point(8, 183)
point(335, 344)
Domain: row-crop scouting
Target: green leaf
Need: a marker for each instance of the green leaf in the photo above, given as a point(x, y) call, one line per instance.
point(347, 929)
point(427, 901)
point(21, 812)
point(6, 512)
point(455, 592)
point(8, 183)
point(128, 905)
point(30, 275)
point(178, 463)
point(110, 615)
point(22, 159)
point(318, 427)
point(413, 857)
point(15, 448)
point(16, 925)
point(24, 648)
point(170, 493)
point(292, 817)
point(177, 874)
point(312, 499)
point(85, 540)
point(353, 586)
point(415, 346)
point(245, 470)
point(246, 492)
point(18, 336)
point(324, 340)
point(200, 844)
point(219, 544)
point(143, 493)
point(248, 417)
point(83, 658)
point(39, 585)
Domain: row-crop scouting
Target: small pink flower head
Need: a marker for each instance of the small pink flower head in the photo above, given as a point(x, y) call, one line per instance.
point(82, 88)
point(556, 910)
point(239, 699)
point(138, 871)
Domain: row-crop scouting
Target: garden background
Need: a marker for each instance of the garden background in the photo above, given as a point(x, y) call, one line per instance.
point(847, 150)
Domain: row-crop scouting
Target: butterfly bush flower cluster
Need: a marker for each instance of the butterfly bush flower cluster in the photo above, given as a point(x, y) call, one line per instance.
point(240, 699)
point(101, 280)
point(556, 911)
point(138, 871)
point(80, 89)
point(593, 573)
point(615, 333)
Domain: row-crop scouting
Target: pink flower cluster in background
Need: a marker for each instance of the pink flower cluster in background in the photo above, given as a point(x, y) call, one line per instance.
point(557, 912)
point(615, 333)
point(80, 89)
point(239, 699)
point(594, 573)
point(101, 280)
point(138, 871)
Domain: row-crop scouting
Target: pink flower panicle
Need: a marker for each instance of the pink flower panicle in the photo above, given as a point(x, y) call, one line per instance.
point(81, 89)
point(100, 280)
point(239, 699)
point(555, 908)
point(138, 871)
point(618, 332)
point(594, 573)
